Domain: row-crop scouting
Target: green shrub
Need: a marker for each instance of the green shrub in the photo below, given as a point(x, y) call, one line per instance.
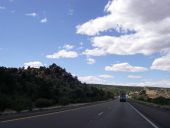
point(161, 100)
point(142, 98)
point(22, 88)
point(4, 103)
point(142, 92)
point(42, 102)
point(64, 100)
point(21, 103)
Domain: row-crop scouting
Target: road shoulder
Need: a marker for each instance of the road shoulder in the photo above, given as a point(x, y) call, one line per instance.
point(160, 116)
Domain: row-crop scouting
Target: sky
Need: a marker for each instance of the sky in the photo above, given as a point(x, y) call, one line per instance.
point(113, 42)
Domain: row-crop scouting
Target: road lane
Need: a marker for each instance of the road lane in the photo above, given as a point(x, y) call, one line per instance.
point(160, 116)
point(144, 117)
point(106, 115)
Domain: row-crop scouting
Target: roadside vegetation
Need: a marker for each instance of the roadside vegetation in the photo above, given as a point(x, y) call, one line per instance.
point(155, 95)
point(116, 89)
point(155, 98)
point(25, 89)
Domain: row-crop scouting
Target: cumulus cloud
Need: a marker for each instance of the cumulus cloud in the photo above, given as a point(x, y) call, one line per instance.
point(99, 79)
point(135, 76)
point(33, 64)
point(91, 79)
point(33, 14)
point(90, 61)
point(126, 45)
point(63, 54)
point(130, 14)
point(44, 20)
point(125, 67)
point(94, 52)
point(143, 25)
point(162, 63)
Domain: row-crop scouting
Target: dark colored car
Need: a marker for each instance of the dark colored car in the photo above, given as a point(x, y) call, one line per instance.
point(123, 97)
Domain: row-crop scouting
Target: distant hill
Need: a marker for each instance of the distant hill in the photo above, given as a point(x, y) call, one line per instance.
point(117, 88)
point(40, 87)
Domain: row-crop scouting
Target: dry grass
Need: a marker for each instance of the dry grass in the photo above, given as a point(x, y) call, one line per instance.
point(158, 93)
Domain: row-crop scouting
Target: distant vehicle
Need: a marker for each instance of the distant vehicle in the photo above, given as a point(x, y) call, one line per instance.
point(123, 97)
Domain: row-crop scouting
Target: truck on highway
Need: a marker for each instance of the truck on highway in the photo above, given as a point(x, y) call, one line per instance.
point(123, 97)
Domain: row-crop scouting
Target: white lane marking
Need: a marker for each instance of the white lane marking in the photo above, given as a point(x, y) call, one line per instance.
point(99, 114)
point(150, 122)
point(48, 114)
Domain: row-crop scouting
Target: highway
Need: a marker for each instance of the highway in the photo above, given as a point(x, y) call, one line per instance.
point(113, 114)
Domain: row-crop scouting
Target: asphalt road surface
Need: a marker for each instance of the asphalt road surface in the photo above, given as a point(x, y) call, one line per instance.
point(113, 114)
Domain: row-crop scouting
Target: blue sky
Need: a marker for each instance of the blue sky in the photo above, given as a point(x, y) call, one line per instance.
point(98, 41)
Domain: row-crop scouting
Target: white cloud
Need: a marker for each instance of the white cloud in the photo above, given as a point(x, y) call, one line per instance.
point(154, 83)
point(44, 20)
point(63, 54)
point(2, 8)
point(126, 45)
point(90, 61)
point(125, 67)
point(135, 76)
point(98, 79)
point(162, 63)
point(33, 64)
point(93, 27)
point(33, 14)
point(148, 21)
point(128, 14)
point(91, 79)
point(147, 83)
point(94, 52)
point(68, 47)
point(105, 76)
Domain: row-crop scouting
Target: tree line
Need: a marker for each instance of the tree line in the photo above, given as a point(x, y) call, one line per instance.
point(24, 89)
